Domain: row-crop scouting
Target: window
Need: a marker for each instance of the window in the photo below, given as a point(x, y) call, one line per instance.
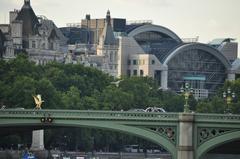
point(51, 45)
point(135, 72)
point(141, 73)
point(111, 57)
point(129, 62)
point(153, 62)
point(43, 46)
point(33, 44)
point(134, 62)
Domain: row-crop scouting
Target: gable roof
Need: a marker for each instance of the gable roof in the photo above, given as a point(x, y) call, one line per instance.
point(29, 19)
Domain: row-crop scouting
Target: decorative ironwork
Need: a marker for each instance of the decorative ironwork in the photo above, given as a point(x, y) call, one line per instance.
point(205, 134)
point(170, 133)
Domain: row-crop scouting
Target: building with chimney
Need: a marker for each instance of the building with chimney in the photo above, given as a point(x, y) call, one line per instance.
point(36, 36)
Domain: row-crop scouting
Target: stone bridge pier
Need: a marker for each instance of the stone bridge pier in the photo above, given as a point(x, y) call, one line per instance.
point(185, 147)
point(37, 140)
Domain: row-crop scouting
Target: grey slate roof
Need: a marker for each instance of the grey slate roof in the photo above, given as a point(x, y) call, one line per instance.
point(107, 33)
point(30, 20)
point(47, 26)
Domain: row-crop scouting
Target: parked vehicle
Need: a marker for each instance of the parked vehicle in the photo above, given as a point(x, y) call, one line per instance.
point(132, 148)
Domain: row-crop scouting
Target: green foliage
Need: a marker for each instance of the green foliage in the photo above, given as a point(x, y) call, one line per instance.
point(113, 98)
point(61, 86)
point(81, 88)
point(71, 99)
point(215, 105)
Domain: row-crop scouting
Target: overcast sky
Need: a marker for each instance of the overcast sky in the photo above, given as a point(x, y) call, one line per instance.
point(207, 19)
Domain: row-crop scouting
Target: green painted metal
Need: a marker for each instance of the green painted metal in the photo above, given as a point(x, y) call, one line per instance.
point(209, 130)
point(214, 142)
point(212, 130)
point(134, 123)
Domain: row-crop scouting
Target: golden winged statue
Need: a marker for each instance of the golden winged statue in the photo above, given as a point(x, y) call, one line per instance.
point(38, 101)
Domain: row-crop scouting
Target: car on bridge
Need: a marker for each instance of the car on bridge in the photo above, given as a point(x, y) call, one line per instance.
point(155, 109)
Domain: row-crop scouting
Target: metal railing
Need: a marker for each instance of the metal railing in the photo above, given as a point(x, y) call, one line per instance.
point(88, 114)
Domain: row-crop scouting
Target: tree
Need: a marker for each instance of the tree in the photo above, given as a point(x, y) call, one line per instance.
point(21, 92)
point(140, 88)
point(71, 99)
point(113, 98)
point(51, 97)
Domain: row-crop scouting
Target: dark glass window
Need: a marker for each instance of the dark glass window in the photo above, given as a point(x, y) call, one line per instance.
point(153, 62)
point(135, 72)
point(141, 72)
point(134, 62)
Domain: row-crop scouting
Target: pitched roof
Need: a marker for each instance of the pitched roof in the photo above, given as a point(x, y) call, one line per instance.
point(30, 20)
point(53, 35)
point(107, 33)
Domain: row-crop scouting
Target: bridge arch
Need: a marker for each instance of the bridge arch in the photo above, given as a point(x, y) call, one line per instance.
point(138, 131)
point(215, 142)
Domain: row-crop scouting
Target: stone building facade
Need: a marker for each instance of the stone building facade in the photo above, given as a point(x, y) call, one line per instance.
point(36, 36)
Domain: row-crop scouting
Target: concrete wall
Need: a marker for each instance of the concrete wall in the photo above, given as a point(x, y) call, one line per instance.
point(146, 62)
point(127, 46)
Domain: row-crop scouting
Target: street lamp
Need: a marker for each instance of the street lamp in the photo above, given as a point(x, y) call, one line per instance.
point(187, 91)
point(228, 96)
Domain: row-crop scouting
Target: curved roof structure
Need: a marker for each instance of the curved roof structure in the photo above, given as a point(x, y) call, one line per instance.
point(153, 28)
point(199, 46)
point(236, 65)
point(217, 42)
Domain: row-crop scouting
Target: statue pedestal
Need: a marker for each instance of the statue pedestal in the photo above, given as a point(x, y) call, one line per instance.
point(37, 140)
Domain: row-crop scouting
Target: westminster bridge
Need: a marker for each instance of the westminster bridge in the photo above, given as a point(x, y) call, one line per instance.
point(183, 135)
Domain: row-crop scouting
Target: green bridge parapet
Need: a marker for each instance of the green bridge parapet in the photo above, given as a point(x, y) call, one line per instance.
point(88, 114)
point(217, 118)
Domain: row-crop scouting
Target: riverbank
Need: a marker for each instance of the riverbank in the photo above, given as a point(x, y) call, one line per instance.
point(10, 154)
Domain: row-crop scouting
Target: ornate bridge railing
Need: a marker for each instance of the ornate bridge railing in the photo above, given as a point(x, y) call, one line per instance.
point(217, 118)
point(89, 114)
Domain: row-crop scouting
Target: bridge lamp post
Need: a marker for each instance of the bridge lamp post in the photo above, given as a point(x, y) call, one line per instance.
point(186, 91)
point(228, 96)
